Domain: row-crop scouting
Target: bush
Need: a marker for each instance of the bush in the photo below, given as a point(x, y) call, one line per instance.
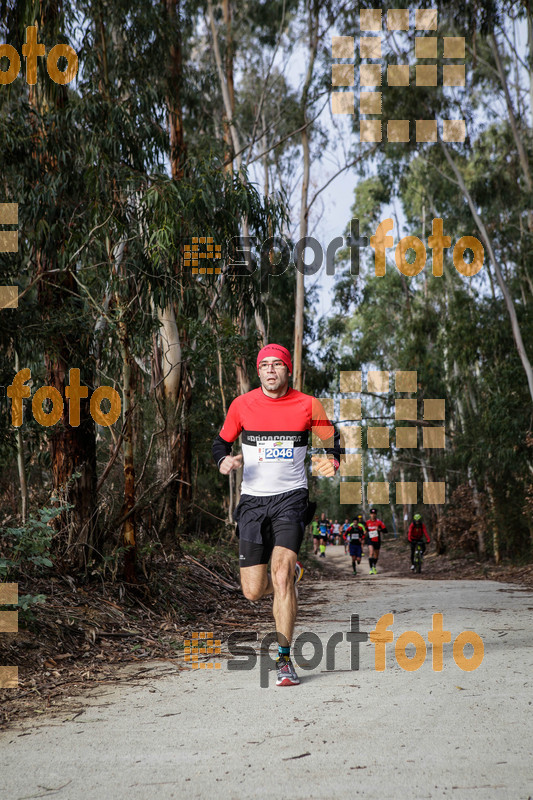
point(26, 550)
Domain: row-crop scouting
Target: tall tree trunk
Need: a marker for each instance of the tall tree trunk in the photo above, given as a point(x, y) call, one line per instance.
point(175, 116)
point(495, 530)
point(226, 10)
point(174, 447)
point(20, 463)
point(405, 511)
point(482, 550)
point(128, 526)
point(517, 334)
point(73, 449)
point(440, 543)
point(524, 163)
point(530, 53)
point(304, 198)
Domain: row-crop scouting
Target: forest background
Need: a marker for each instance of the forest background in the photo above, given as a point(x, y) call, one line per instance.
point(194, 119)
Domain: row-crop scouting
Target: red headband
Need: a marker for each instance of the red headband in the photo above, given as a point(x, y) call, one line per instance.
point(277, 351)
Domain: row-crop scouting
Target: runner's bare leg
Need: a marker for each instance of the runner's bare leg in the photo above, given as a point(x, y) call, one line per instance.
point(285, 603)
point(256, 582)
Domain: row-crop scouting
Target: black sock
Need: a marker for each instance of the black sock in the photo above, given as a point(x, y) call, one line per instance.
point(371, 562)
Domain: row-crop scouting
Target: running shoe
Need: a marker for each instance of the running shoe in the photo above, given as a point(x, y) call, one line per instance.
point(412, 567)
point(298, 572)
point(286, 673)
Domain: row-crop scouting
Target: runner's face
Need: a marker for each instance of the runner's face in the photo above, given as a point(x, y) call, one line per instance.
point(274, 376)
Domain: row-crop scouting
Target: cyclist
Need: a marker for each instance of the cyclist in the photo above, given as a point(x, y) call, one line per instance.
point(417, 531)
point(356, 536)
point(316, 535)
point(374, 528)
point(274, 421)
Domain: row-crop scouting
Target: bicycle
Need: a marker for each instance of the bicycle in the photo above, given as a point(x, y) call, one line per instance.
point(418, 556)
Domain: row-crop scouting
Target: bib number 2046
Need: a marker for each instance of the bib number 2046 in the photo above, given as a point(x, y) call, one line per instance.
point(277, 452)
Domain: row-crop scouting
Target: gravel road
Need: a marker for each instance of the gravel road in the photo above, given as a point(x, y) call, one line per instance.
point(344, 732)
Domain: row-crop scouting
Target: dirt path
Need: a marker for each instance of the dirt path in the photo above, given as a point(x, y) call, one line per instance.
point(344, 732)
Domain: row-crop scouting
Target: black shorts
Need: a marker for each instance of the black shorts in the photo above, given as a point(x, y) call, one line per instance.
point(376, 545)
point(270, 521)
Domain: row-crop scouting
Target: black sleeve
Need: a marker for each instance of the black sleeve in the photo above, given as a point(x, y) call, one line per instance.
point(336, 450)
point(220, 449)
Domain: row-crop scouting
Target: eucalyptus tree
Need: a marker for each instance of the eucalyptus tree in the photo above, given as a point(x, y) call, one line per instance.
point(43, 170)
point(451, 329)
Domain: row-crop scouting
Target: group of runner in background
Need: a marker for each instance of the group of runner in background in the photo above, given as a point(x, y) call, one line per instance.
point(353, 535)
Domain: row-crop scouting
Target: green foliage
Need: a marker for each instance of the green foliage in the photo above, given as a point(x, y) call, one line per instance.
point(102, 228)
point(25, 551)
point(28, 548)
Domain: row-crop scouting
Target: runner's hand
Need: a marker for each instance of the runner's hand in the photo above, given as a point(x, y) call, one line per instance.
point(323, 466)
point(230, 463)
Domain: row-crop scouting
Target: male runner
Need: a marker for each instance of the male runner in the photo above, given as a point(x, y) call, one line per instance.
point(374, 528)
point(336, 531)
point(417, 530)
point(274, 421)
point(344, 536)
point(356, 535)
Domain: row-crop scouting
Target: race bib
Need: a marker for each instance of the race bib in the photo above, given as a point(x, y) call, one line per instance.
point(271, 452)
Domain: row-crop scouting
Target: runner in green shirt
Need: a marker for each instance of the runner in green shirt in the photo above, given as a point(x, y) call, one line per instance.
point(316, 535)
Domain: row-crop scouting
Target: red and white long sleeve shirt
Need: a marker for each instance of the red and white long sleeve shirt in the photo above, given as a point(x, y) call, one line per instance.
point(275, 434)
